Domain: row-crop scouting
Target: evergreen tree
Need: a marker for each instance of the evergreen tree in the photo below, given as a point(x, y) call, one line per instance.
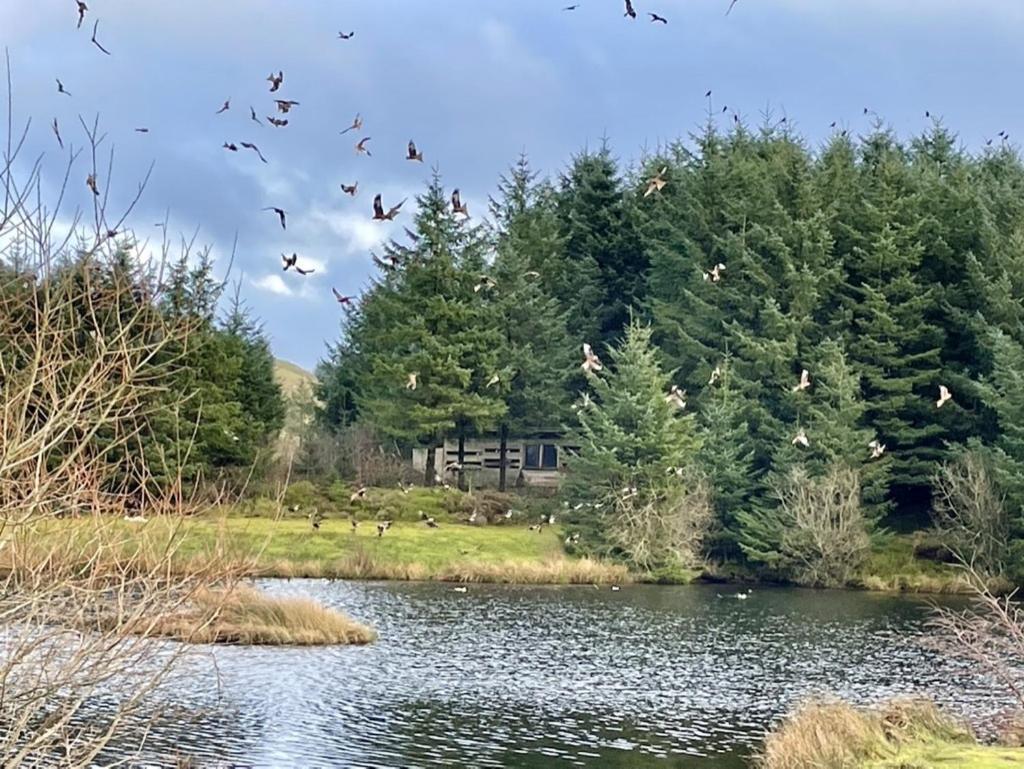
point(603, 270)
point(536, 349)
point(634, 442)
point(430, 342)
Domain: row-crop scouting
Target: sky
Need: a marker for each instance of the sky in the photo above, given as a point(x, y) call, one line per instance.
point(475, 83)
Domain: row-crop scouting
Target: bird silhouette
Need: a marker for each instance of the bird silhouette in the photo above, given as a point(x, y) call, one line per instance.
point(90, 182)
point(656, 18)
point(281, 214)
point(289, 261)
point(590, 360)
point(252, 116)
point(801, 439)
point(284, 106)
point(357, 124)
point(96, 42)
point(629, 10)
point(350, 189)
point(275, 81)
point(571, 7)
point(361, 147)
point(82, 8)
point(804, 383)
point(731, 4)
point(61, 89)
point(715, 273)
point(458, 206)
point(346, 36)
point(412, 381)
point(341, 298)
point(877, 449)
point(276, 122)
point(56, 132)
point(225, 108)
point(378, 210)
point(676, 397)
point(412, 154)
point(656, 183)
point(254, 148)
point(945, 396)
point(231, 146)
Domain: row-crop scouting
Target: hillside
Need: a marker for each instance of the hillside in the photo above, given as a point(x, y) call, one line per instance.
point(291, 377)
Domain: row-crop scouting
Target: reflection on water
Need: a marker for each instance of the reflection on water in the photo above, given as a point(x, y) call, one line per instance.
point(547, 677)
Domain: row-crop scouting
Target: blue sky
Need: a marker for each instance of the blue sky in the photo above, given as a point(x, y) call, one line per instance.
point(474, 82)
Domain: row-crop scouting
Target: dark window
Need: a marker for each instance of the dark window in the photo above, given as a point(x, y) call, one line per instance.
point(541, 456)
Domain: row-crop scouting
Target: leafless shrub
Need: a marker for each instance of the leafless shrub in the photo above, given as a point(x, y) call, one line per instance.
point(970, 514)
point(356, 453)
point(663, 526)
point(988, 634)
point(824, 534)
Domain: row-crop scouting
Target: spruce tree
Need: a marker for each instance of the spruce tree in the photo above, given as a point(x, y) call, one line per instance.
point(633, 441)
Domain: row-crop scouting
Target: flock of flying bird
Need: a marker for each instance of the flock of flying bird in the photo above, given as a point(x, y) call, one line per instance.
point(591, 361)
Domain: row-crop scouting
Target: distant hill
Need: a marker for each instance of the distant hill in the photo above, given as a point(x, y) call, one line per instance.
point(292, 377)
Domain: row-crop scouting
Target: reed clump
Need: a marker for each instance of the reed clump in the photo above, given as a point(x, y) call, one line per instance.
point(835, 735)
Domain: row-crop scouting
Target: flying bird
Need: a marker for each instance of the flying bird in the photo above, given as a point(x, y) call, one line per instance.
point(458, 206)
point(56, 132)
point(350, 189)
point(804, 383)
point(82, 8)
point(656, 18)
point(486, 283)
point(656, 182)
point(358, 495)
point(281, 214)
point(341, 298)
point(629, 10)
point(304, 272)
point(715, 273)
point(61, 89)
point(571, 7)
point(284, 105)
point(715, 375)
point(96, 42)
point(411, 382)
point(378, 210)
point(412, 154)
point(142, 130)
point(382, 527)
point(344, 36)
point(289, 261)
point(877, 449)
point(493, 380)
point(275, 81)
point(731, 4)
point(277, 122)
point(357, 124)
point(590, 360)
point(253, 118)
point(231, 146)
point(801, 439)
point(254, 148)
point(361, 147)
point(944, 397)
point(676, 397)
point(225, 108)
point(90, 182)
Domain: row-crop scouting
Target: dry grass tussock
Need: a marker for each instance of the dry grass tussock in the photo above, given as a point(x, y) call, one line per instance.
point(834, 735)
point(244, 615)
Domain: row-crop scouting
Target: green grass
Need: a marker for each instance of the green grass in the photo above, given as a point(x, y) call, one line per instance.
point(932, 755)
point(894, 567)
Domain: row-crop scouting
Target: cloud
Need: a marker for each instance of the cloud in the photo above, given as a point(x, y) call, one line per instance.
point(274, 284)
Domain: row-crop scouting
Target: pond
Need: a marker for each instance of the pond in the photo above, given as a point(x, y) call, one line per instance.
point(645, 677)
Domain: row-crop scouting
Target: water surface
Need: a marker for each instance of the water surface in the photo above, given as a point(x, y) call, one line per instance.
point(646, 677)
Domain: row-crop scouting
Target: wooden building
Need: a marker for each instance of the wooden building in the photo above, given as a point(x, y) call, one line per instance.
point(536, 461)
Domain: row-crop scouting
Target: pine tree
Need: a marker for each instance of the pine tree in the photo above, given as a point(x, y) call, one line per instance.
point(430, 341)
point(603, 270)
point(536, 349)
point(631, 437)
